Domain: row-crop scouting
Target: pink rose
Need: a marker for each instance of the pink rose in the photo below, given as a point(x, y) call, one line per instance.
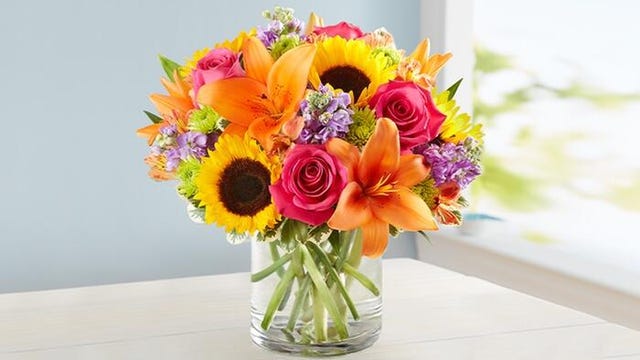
point(311, 183)
point(411, 108)
point(342, 29)
point(218, 64)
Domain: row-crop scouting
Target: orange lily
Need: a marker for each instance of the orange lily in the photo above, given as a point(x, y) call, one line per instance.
point(173, 108)
point(379, 192)
point(422, 68)
point(267, 98)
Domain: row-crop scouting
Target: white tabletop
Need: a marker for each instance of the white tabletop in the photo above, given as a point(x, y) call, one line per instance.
point(429, 313)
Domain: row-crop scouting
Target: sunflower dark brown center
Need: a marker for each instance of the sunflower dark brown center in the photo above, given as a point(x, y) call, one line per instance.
point(244, 187)
point(347, 78)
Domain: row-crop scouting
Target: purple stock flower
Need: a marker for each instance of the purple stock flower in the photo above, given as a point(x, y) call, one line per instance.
point(169, 130)
point(449, 162)
point(270, 34)
point(276, 28)
point(192, 143)
point(325, 115)
point(189, 144)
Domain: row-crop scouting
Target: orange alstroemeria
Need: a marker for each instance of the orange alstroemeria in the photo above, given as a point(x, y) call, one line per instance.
point(421, 68)
point(173, 108)
point(379, 192)
point(447, 208)
point(269, 96)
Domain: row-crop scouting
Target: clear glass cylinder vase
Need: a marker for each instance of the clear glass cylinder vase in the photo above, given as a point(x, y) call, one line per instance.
point(315, 298)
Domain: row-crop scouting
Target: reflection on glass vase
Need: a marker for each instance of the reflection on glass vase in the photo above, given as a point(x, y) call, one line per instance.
point(315, 295)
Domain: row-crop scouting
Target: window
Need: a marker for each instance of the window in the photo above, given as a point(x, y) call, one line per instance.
point(558, 87)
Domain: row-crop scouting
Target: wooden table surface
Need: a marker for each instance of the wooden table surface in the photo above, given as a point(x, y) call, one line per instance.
point(429, 313)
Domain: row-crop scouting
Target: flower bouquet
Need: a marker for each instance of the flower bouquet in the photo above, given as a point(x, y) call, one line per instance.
point(317, 143)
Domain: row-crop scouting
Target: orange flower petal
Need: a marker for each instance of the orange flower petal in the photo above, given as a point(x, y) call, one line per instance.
point(239, 100)
point(411, 170)
point(421, 53)
point(346, 153)
point(436, 63)
point(263, 128)
point(352, 210)
point(166, 104)
point(257, 60)
point(380, 155)
point(235, 129)
point(404, 209)
point(150, 131)
point(287, 80)
point(177, 87)
point(375, 236)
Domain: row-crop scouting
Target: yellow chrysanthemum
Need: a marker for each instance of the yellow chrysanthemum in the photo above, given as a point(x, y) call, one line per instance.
point(457, 126)
point(233, 185)
point(190, 64)
point(236, 44)
point(350, 65)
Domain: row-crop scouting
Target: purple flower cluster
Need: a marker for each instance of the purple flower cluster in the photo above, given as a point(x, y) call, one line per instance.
point(326, 115)
point(449, 162)
point(276, 28)
point(176, 147)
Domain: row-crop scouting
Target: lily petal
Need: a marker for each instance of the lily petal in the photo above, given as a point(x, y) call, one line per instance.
point(257, 60)
point(263, 127)
point(411, 170)
point(346, 153)
point(235, 129)
point(352, 210)
point(405, 210)
point(287, 80)
point(239, 100)
point(380, 156)
point(375, 236)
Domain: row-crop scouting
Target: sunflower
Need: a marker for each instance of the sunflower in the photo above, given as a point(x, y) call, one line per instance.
point(351, 66)
point(233, 185)
point(236, 43)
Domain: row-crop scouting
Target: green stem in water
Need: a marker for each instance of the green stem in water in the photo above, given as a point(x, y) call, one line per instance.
point(277, 297)
point(323, 293)
point(346, 239)
point(275, 255)
point(362, 279)
point(319, 317)
point(334, 276)
point(275, 266)
point(301, 299)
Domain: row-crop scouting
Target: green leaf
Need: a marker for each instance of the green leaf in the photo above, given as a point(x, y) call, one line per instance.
point(271, 268)
point(169, 66)
point(153, 117)
point(334, 276)
point(278, 294)
point(324, 294)
point(362, 279)
point(294, 230)
point(453, 89)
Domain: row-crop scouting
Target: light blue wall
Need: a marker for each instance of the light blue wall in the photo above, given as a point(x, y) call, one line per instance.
point(76, 206)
